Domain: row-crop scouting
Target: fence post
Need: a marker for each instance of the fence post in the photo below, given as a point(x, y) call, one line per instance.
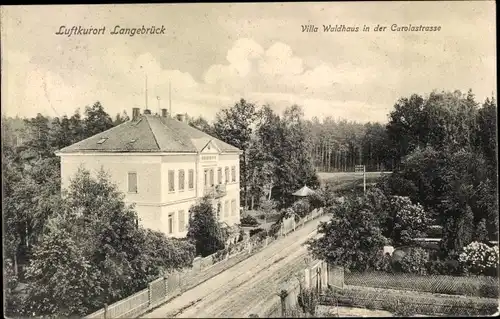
point(105, 311)
point(165, 281)
point(307, 278)
point(150, 294)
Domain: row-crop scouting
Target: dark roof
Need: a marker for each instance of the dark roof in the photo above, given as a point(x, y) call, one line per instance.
point(149, 133)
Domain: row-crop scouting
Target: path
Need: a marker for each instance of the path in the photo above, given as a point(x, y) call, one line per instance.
point(238, 291)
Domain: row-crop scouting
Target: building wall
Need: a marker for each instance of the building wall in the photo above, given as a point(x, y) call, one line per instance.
point(118, 166)
point(154, 202)
point(176, 163)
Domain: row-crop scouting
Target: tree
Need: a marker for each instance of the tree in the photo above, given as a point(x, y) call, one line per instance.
point(409, 221)
point(96, 120)
point(62, 279)
point(119, 119)
point(268, 206)
point(37, 138)
point(291, 151)
point(93, 252)
point(77, 127)
point(202, 124)
point(352, 238)
point(204, 230)
point(262, 162)
point(234, 126)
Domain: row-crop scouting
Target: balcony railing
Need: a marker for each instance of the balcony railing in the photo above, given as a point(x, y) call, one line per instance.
point(216, 190)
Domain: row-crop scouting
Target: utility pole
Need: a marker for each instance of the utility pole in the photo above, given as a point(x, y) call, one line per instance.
point(361, 169)
point(159, 109)
point(146, 96)
point(170, 98)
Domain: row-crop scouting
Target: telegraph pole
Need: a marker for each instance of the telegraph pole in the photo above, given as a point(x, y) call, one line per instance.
point(170, 98)
point(146, 97)
point(361, 169)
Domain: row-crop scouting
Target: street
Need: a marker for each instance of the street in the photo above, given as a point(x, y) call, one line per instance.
point(240, 290)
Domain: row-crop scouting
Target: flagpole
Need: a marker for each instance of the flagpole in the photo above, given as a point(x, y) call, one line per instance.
point(146, 97)
point(170, 98)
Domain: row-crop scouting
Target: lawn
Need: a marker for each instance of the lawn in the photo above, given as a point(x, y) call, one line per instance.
point(351, 180)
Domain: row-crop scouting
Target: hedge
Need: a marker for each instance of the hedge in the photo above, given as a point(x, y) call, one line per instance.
point(474, 286)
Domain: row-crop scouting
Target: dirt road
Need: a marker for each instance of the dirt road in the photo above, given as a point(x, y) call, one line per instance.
point(238, 291)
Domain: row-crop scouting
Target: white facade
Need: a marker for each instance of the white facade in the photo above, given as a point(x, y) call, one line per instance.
point(162, 202)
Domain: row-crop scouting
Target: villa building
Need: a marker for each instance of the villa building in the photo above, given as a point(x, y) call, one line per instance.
point(163, 166)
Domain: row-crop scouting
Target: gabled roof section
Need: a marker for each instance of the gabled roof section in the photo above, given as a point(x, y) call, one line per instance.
point(210, 147)
point(149, 133)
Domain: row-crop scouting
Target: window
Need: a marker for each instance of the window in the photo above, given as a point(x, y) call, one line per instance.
point(206, 177)
point(226, 209)
point(226, 173)
point(132, 182)
point(181, 180)
point(181, 220)
point(211, 177)
point(233, 207)
point(219, 175)
point(233, 174)
point(170, 223)
point(171, 181)
point(191, 179)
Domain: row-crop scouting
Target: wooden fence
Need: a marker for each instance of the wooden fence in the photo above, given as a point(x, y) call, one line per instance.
point(172, 285)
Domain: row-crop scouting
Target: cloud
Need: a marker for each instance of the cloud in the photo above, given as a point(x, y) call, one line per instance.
point(279, 60)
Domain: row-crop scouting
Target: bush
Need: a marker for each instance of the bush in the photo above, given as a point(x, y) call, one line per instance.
point(301, 208)
point(414, 261)
point(242, 235)
point(307, 300)
point(479, 259)
point(434, 231)
point(409, 220)
point(256, 231)
point(262, 216)
point(443, 267)
point(248, 221)
point(383, 262)
point(317, 199)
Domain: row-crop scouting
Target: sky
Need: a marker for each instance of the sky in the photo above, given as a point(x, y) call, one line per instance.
point(212, 55)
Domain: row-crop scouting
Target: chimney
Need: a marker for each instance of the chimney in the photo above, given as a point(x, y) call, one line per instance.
point(146, 111)
point(181, 117)
point(135, 113)
point(164, 113)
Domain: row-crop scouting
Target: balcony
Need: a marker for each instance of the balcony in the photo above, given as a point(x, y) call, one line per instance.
point(215, 191)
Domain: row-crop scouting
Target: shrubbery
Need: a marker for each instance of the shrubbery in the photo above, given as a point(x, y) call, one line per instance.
point(383, 263)
point(443, 267)
point(256, 231)
point(301, 208)
point(414, 261)
point(248, 221)
point(479, 259)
